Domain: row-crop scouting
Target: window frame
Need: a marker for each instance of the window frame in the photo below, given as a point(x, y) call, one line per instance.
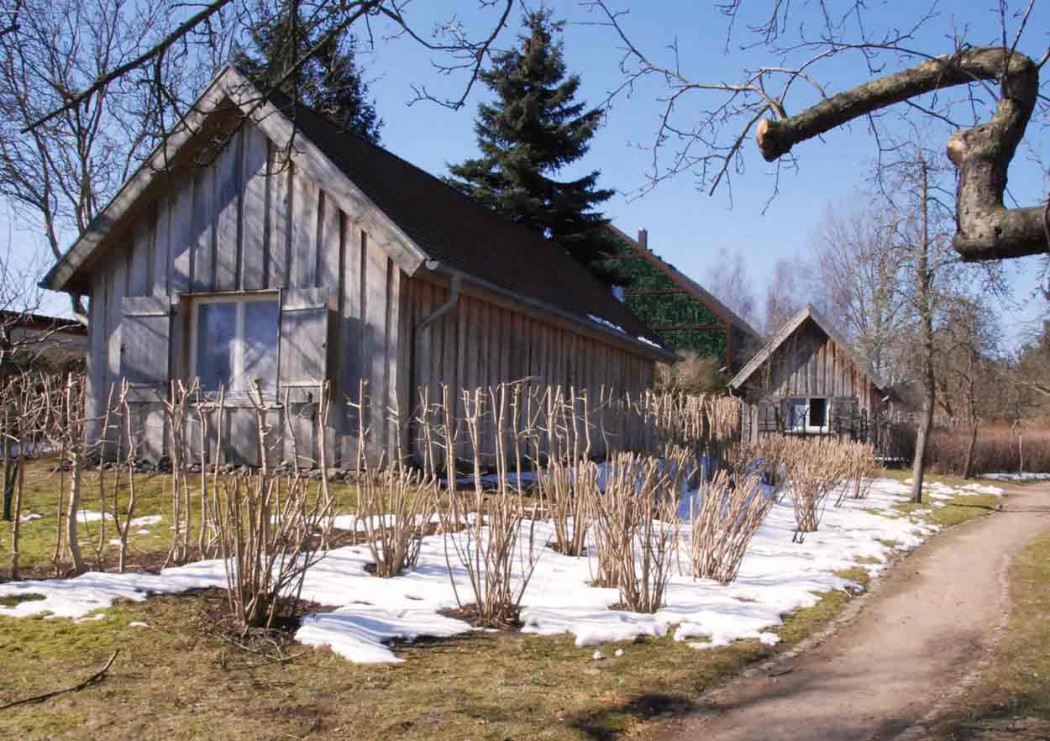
point(806, 428)
point(195, 300)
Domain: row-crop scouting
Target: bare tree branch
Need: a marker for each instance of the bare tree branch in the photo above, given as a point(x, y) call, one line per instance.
point(987, 230)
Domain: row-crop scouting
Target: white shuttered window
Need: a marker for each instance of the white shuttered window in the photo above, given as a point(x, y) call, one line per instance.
point(235, 341)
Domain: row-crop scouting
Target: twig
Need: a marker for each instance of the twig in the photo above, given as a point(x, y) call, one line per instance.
point(93, 679)
point(282, 658)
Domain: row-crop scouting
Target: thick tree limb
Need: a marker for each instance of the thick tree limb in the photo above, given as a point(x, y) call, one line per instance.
point(985, 228)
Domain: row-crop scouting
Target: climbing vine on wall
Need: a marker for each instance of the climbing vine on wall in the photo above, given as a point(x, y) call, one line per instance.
point(635, 273)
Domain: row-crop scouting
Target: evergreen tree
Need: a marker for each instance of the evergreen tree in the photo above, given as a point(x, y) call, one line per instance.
point(329, 82)
point(534, 129)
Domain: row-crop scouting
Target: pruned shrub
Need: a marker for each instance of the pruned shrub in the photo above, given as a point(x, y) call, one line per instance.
point(724, 517)
point(395, 506)
point(814, 468)
point(563, 489)
point(270, 529)
point(860, 466)
point(636, 527)
point(490, 534)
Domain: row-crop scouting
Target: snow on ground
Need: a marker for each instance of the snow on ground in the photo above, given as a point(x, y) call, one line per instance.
point(1016, 476)
point(87, 515)
point(776, 577)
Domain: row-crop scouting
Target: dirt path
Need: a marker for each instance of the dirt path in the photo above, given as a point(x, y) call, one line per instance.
point(911, 647)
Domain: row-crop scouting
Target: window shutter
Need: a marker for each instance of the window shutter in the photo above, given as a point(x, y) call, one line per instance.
point(303, 349)
point(767, 416)
point(145, 341)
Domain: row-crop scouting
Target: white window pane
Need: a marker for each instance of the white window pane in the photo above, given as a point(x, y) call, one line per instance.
point(216, 332)
point(797, 412)
point(260, 344)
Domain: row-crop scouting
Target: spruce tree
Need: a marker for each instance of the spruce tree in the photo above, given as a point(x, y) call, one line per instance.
point(329, 81)
point(533, 129)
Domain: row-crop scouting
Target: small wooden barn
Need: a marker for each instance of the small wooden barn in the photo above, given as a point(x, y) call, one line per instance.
point(260, 241)
point(687, 316)
point(807, 380)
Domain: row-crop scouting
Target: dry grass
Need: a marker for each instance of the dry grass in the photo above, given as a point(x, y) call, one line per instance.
point(187, 684)
point(999, 448)
point(148, 545)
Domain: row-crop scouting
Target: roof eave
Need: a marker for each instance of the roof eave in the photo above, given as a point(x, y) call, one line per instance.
point(651, 351)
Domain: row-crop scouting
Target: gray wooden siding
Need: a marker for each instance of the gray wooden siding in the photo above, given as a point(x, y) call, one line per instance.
point(481, 343)
point(249, 220)
point(808, 364)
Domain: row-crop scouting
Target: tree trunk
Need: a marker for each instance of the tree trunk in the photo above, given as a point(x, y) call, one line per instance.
point(925, 305)
point(72, 542)
point(16, 521)
point(970, 447)
point(918, 468)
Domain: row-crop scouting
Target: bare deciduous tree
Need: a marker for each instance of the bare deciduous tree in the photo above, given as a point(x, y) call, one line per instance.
point(948, 89)
point(860, 284)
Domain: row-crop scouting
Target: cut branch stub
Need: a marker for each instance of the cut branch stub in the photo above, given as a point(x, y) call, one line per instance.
point(985, 228)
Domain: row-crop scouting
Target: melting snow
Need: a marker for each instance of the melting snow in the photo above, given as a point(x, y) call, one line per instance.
point(776, 577)
point(605, 323)
point(1016, 476)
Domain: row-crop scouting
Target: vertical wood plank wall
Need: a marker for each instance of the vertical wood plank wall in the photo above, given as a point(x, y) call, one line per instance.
point(249, 220)
point(809, 364)
point(481, 344)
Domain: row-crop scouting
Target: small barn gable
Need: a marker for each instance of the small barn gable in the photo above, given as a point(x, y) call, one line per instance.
point(807, 380)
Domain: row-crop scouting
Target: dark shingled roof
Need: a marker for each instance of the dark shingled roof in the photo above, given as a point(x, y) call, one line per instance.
point(456, 230)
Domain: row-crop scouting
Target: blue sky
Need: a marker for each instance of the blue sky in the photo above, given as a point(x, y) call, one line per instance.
point(685, 225)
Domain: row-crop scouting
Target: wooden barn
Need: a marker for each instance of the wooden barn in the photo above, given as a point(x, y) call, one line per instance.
point(262, 242)
point(807, 380)
point(687, 316)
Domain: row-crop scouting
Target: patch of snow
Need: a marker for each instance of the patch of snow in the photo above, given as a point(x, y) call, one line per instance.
point(618, 652)
point(606, 323)
point(776, 577)
point(138, 624)
point(598, 655)
point(1002, 476)
point(142, 532)
point(360, 632)
point(87, 515)
point(769, 639)
point(647, 341)
point(146, 520)
point(30, 517)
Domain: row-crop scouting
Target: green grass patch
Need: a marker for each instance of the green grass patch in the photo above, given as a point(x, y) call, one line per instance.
point(13, 600)
point(44, 485)
point(955, 511)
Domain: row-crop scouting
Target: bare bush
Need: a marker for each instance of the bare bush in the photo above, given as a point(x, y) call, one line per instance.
point(491, 533)
point(563, 489)
point(270, 527)
point(636, 527)
point(860, 467)
point(725, 517)
point(998, 448)
point(395, 506)
point(690, 374)
point(814, 468)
